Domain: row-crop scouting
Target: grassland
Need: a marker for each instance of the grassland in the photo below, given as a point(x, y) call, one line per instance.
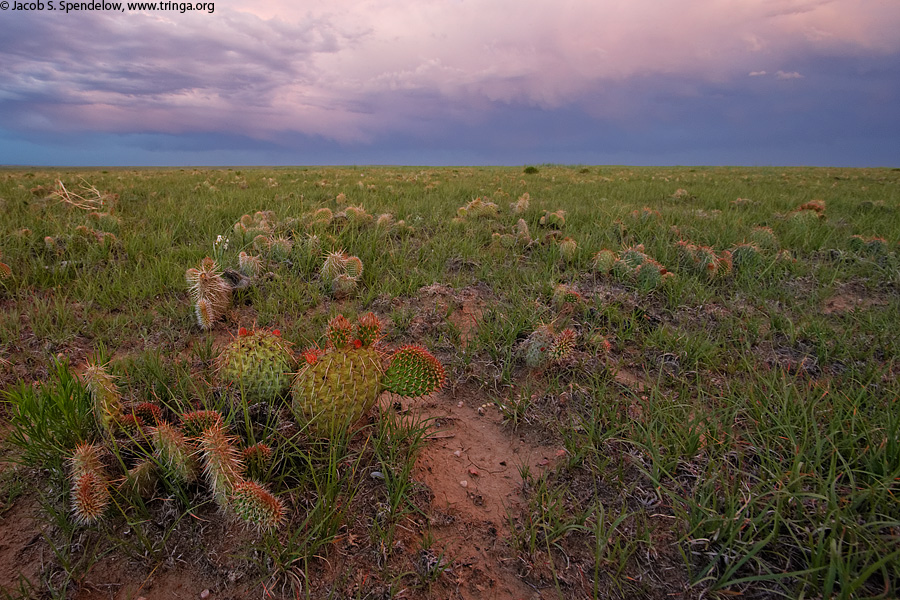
point(714, 431)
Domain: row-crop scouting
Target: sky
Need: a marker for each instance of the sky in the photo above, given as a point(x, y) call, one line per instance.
point(453, 82)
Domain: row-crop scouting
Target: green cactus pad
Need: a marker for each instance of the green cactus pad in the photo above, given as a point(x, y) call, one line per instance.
point(412, 372)
point(338, 388)
point(257, 364)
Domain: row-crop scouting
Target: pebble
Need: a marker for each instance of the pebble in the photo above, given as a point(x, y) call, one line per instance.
point(459, 404)
point(458, 453)
point(204, 594)
point(464, 483)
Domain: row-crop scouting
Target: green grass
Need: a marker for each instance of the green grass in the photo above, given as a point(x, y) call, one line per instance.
point(742, 436)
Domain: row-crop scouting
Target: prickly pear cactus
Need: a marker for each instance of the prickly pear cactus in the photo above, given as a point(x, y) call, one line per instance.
point(413, 372)
point(210, 292)
point(105, 397)
point(257, 363)
point(340, 383)
point(538, 345)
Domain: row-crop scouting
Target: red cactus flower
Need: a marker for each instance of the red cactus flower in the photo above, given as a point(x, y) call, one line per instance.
point(357, 343)
point(242, 332)
point(276, 332)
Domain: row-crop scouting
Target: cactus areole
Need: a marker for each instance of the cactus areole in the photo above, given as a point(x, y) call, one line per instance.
point(339, 384)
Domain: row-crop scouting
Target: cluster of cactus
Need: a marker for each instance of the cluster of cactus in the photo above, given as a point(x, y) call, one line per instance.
point(764, 238)
point(521, 205)
point(478, 208)
point(105, 221)
point(745, 257)
point(83, 238)
point(603, 261)
point(545, 347)
point(341, 273)
point(276, 248)
point(553, 219)
point(522, 236)
point(157, 449)
point(632, 264)
point(356, 216)
point(646, 215)
point(876, 246)
point(565, 297)
point(704, 260)
point(339, 383)
point(807, 214)
point(257, 363)
point(210, 292)
point(262, 222)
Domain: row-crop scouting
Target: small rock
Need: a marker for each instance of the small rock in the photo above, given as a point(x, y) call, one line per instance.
point(204, 594)
point(464, 483)
point(473, 472)
point(458, 453)
point(460, 404)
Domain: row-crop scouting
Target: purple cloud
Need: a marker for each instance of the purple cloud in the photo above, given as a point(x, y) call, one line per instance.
point(355, 71)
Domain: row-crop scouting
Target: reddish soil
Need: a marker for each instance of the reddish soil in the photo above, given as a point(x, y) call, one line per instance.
point(472, 467)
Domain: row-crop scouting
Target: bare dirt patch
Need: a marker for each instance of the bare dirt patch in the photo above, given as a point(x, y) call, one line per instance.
point(472, 466)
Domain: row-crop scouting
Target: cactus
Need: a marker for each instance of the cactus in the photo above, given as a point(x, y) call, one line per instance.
point(210, 292)
point(174, 453)
point(521, 205)
point(562, 346)
point(704, 260)
point(568, 247)
point(523, 236)
point(478, 208)
point(413, 372)
point(340, 383)
point(140, 481)
point(256, 363)
point(545, 347)
point(553, 219)
point(90, 491)
point(646, 214)
point(604, 260)
point(745, 256)
point(249, 265)
point(221, 462)
point(765, 238)
point(368, 329)
point(633, 264)
point(341, 272)
point(90, 497)
point(105, 398)
point(194, 423)
point(875, 246)
point(5, 270)
point(357, 215)
point(565, 296)
point(256, 460)
point(148, 413)
point(255, 505)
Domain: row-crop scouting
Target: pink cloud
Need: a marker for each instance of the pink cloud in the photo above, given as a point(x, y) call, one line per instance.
point(350, 69)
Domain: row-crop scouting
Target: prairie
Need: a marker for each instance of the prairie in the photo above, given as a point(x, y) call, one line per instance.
point(660, 382)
